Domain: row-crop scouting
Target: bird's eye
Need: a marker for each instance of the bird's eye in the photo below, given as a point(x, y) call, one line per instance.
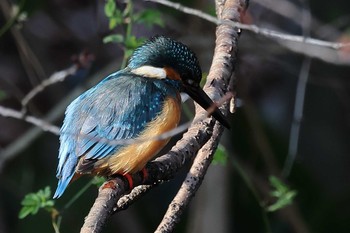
point(190, 81)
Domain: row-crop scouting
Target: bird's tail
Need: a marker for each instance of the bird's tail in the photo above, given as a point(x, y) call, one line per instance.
point(62, 185)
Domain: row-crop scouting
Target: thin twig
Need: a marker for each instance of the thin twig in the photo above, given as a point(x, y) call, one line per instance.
point(45, 126)
point(297, 117)
point(135, 194)
point(253, 28)
point(82, 61)
point(22, 142)
point(299, 100)
point(56, 77)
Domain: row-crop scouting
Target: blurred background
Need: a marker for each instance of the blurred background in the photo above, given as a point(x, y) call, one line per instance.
point(292, 119)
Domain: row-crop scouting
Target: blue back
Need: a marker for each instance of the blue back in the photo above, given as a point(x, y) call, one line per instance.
point(119, 107)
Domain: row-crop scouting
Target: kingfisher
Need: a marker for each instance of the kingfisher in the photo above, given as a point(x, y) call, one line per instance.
point(138, 102)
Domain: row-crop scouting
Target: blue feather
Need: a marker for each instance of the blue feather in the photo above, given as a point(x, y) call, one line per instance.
point(119, 107)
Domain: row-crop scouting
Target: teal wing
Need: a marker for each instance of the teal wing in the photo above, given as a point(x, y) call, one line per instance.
point(117, 108)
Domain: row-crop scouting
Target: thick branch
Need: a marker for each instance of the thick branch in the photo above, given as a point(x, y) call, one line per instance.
point(161, 169)
point(166, 166)
point(218, 79)
point(191, 184)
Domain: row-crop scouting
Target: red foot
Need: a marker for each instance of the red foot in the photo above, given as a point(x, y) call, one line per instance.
point(109, 185)
point(128, 177)
point(144, 174)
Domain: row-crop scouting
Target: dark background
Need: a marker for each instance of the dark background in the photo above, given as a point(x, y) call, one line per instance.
point(267, 75)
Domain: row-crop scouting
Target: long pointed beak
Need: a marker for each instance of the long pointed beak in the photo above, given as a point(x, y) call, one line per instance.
point(199, 96)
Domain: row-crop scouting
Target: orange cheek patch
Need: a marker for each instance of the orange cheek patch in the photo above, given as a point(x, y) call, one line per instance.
point(172, 74)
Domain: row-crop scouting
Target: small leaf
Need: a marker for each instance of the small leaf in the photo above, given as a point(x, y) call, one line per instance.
point(33, 202)
point(35, 210)
point(47, 192)
point(282, 202)
point(278, 184)
point(24, 212)
point(149, 18)
point(29, 200)
point(132, 42)
point(114, 21)
point(282, 192)
point(98, 181)
point(220, 156)
point(116, 38)
point(110, 8)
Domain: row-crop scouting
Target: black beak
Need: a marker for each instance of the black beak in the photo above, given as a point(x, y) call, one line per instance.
point(198, 95)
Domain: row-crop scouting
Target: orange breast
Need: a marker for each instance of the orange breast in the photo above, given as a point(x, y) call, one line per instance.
point(133, 158)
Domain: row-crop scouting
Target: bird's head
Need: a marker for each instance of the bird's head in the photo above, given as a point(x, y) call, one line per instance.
point(169, 60)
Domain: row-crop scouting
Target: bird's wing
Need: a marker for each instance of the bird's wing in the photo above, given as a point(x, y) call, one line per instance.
point(118, 113)
point(117, 108)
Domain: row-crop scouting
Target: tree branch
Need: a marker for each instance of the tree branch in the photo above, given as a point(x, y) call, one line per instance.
point(45, 126)
point(167, 165)
point(163, 168)
point(321, 49)
point(191, 184)
point(219, 76)
point(57, 111)
point(82, 61)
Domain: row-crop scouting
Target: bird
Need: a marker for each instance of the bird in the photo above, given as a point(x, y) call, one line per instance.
point(138, 102)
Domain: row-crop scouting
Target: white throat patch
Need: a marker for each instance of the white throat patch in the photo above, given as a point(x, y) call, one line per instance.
point(150, 72)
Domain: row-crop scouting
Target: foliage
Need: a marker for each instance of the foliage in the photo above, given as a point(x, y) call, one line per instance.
point(220, 156)
point(126, 18)
point(98, 181)
point(33, 202)
point(282, 192)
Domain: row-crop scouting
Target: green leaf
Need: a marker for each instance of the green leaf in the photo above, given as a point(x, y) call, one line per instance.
point(28, 200)
point(98, 181)
point(116, 38)
point(132, 42)
point(278, 184)
point(2, 95)
point(33, 202)
point(149, 18)
point(115, 21)
point(282, 192)
point(24, 212)
point(110, 7)
point(220, 156)
point(128, 52)
point(284, 201)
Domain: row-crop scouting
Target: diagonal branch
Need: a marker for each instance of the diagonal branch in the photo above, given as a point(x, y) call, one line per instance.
point(324, 50)
point(163, 168)
point(45, 126)
point(191, 184)
point(253, 28)
point(219, 76)
point(82, 61)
